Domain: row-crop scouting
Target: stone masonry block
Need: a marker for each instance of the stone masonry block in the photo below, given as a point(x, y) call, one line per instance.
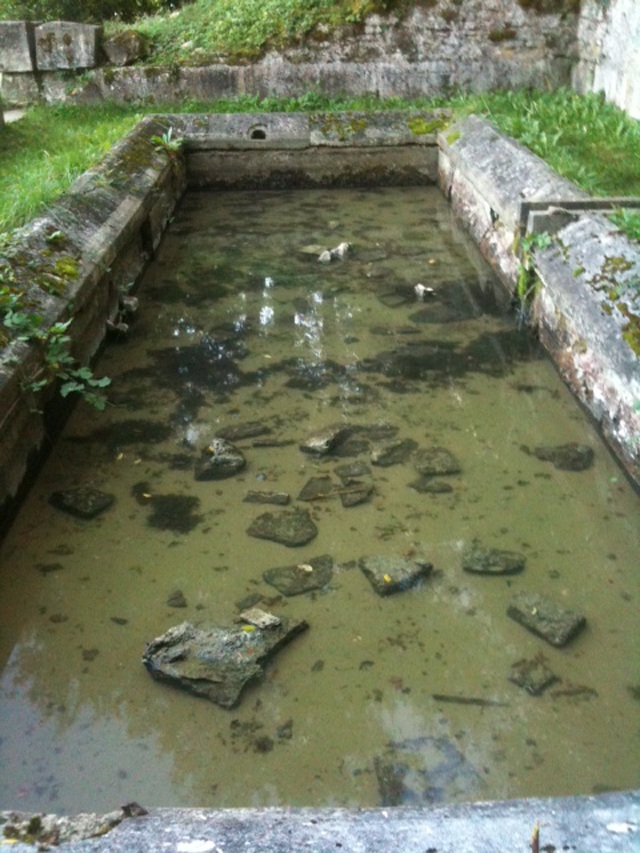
point(64, 45)
point(16, 46)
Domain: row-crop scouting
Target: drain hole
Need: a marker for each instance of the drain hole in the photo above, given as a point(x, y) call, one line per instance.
point(258, 133)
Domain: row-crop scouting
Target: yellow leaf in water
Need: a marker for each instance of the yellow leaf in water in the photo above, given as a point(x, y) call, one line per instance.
point(387, 578)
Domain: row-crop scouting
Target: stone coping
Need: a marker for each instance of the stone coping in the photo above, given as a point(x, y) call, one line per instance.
point(607, 823)
point(586, 308)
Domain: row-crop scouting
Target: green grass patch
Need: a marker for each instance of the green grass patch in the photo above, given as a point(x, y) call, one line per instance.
point(43, 153)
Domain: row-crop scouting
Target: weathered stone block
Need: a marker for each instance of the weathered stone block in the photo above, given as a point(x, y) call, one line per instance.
point(63, 45)
point(18, 89)
point(16, 46)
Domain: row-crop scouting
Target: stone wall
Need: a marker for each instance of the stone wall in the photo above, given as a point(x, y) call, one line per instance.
point(609, 46)
point(440, 47)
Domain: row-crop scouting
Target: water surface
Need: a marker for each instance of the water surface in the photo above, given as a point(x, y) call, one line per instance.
point(240, 322)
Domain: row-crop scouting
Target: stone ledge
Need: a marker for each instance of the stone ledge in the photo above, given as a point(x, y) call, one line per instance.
point(487, 176)
point(89, 246)
point(608, 823)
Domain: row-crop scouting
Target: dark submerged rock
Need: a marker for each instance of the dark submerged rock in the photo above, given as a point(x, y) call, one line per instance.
point(532, 674)
point(435, 461)
point(426, 484)
point(392, 452)
point(566, 457)
point(303, 577)
point(317, 488)
point(217, 662)
point(219, 460)
point(355, 493)
point(291, 528)
point(238, 432)
point(83, 501)
point(325, 440)
point(543, 617)
point(168, 512)
point(491, 561)
point(278, 498)
point(388, 575)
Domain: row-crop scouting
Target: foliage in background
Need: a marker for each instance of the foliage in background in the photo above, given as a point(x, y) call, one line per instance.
point(86, 11)
point(205, 30)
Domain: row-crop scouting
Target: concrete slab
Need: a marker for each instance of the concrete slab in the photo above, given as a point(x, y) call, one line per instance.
point(609, 823)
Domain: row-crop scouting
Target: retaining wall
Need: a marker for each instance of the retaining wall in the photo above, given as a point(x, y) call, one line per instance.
point(441, 46)
point(609, 49)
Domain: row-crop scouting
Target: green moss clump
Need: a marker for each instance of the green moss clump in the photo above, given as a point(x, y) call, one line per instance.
point(420, 127)
point(551, 7)
point(453, 137)
point(67, 267)
point(504, 34)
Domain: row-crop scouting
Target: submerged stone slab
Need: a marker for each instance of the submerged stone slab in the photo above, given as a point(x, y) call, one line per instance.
point(390, 453)
point(430, 485)
point(291, 528)
point(302, 577)
point(355, 493)
point(317, 488)
point(83, 502)
point(388, 575)
point(219, 460)
point(566, 457)
point(325, 440)
point(256, 497)
point(491, 561)
point(216, 662)
point(532, 674)
point(435, 461)
point(543, 617)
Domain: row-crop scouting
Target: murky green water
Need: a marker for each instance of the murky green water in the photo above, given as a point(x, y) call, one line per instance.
point(238, 324)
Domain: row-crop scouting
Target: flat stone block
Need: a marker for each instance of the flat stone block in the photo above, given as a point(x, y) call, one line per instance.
point(63, 45)
point(388, 575)
point(543, 617)
point(16, 46)
point(18, 89)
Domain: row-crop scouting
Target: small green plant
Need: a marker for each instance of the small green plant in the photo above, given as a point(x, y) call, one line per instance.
point(167, 143)
point(527, 282)
point(21, 321)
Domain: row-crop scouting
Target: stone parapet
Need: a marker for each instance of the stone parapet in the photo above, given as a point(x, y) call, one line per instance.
point(585, 309)
point(61, 45)
point(17, 46)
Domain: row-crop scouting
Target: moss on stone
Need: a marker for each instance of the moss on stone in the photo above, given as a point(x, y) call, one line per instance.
point(551, 7)
point(420, 127)
point(67, 267)
point(503, 34)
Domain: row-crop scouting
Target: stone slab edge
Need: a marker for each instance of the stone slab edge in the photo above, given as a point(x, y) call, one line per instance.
point(92, 242)
point(486, 175)
point(607, 823)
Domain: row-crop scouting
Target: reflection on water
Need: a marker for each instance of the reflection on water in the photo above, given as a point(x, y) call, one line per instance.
point(404, 698)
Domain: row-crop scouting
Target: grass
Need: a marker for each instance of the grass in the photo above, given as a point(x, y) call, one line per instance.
point(587, 140)
point(43, 153)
